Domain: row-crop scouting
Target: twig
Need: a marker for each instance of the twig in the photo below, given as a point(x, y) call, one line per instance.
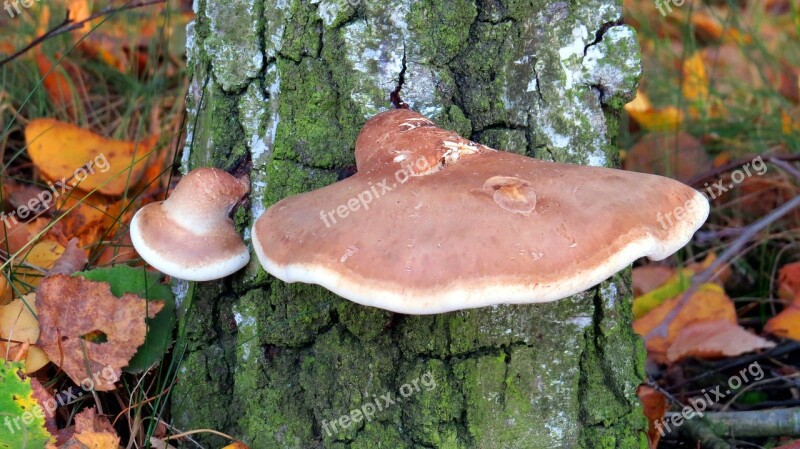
point(68, 25)
point(727, 255)
point(753, 424)
point(747, 233)
point(717, 171)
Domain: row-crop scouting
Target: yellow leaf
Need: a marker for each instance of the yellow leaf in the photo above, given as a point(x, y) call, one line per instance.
point(38, 260)
point(707, 304)
point(79, 158)
point(651, 119)
point(18, 324)
point(695, 84)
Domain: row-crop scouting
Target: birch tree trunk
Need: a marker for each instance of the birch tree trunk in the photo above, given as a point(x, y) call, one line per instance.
point(285, 86)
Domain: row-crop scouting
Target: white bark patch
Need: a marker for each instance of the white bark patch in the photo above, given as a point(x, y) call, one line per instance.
point(233, 43)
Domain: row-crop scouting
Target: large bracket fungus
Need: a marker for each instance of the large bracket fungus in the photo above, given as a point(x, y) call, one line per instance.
point(433, 222)
point(189, 235)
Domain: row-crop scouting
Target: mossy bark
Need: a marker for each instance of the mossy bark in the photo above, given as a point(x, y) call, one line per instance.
point(285, 86)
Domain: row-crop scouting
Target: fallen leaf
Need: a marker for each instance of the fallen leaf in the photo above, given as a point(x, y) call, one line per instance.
point(124, 279)
point(236, 445)
point(6, 295)
point(29, 272)
point(714, 339)
point(789, 281)
point(18, 324)
point(654, 405)
point(78, 158)
point(57, 82)
point(48, 404)
point(118, 251)
point(16, 400)
point(708, 303)
point(663, 119)
point(649, 277)
point(676, 155)
point(674, 286)
point(695, 84)
point(72, 307)
point(15, 234)
point(73, 259)
point(785, 324)
point(92, 432)
point(79, 11)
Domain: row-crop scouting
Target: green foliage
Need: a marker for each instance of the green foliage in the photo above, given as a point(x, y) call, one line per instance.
point(22, 416)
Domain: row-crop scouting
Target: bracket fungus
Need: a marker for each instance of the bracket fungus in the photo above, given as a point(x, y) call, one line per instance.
point(189, 235)
point(432, 222)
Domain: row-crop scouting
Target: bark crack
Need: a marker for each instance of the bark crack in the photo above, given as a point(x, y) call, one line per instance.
point(598, 35)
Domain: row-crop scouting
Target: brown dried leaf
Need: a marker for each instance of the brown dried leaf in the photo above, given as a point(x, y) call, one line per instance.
point(71, 308)
point(649, 277)
point(714, 339)
point(654, 405)
point(678, 156)
point(45, 399)
point(92, 432)
point(73, 259)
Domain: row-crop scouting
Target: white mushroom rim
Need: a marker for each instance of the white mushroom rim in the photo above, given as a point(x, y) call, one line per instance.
point(215, 270)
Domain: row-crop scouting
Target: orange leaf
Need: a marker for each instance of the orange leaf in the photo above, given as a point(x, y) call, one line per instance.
point(707, 304)
point(80, 158)
point(72, 307)
point(789, 281)
point(714, 339)
point(655, 407)
point(785, 324)
point(57, 83)
point(79, 10)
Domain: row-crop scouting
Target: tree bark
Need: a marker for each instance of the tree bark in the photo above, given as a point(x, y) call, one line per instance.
point(286, 85)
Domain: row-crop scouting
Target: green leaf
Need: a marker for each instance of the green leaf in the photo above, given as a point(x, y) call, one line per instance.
point(21, 416)
point(124, 279)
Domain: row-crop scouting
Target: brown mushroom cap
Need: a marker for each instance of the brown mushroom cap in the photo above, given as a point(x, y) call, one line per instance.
point(472, 227)
point(189, 235)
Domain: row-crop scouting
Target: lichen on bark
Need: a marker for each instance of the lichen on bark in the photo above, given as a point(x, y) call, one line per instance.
point(275, 364)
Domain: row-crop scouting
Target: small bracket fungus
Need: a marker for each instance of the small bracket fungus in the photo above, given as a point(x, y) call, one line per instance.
point(189, 235)
point(458, 225)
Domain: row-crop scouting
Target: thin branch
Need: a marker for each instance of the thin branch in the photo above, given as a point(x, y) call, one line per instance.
point(729, 254)
point(726, 256)
point(69, 25)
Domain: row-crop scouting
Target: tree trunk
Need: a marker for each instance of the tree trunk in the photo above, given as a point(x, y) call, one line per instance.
point(286, 85)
